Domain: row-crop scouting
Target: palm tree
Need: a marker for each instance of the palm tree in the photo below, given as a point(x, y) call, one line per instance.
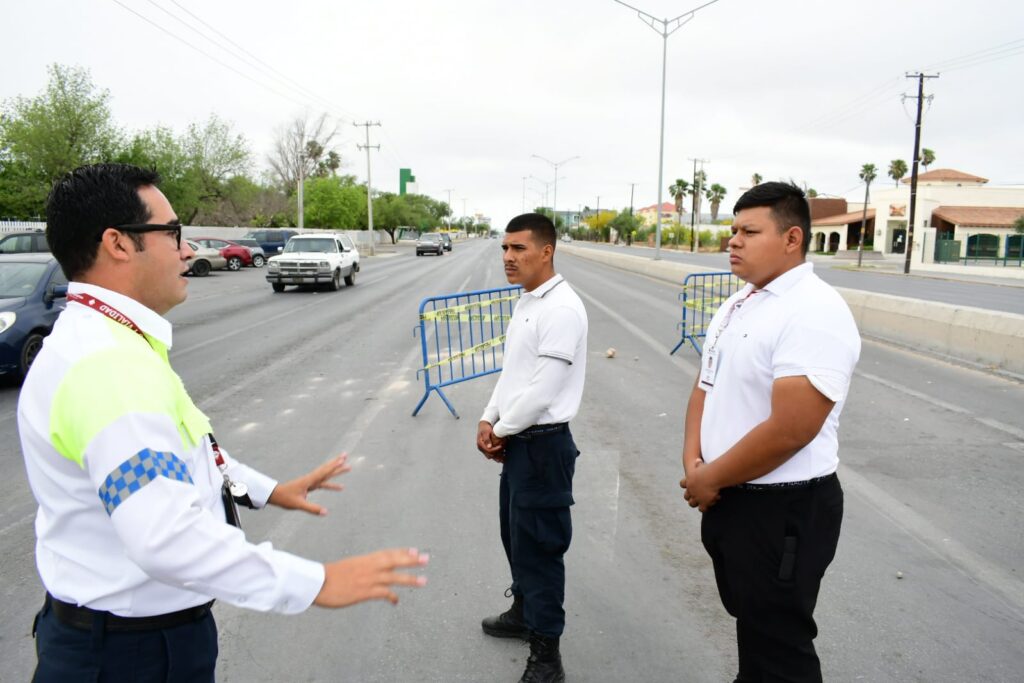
point(867, 174)
point(715, 194)
point(755, 179)
point(678, 190)
point(927, 158)
point(897, 169)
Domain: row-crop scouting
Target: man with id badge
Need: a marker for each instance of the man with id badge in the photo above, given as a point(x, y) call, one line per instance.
point(760, 450)
point(137, 528)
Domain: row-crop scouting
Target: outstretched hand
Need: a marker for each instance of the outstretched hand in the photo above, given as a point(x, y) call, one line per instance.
point(370, 577)
point(293, 495)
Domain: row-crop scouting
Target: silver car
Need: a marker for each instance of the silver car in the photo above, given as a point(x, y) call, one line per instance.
point(205, 260)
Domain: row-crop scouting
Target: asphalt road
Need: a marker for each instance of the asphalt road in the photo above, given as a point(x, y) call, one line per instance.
point(931, 464)
point(877, 276)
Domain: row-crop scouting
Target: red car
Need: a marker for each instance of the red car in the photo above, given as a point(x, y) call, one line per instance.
point(237, 255)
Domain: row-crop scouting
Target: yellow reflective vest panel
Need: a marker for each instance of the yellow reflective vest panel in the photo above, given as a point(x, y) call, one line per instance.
point(130, 518)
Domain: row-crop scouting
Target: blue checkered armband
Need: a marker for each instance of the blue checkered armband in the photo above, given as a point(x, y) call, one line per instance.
point(137, 471)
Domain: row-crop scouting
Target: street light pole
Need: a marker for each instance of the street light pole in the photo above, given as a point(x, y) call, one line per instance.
point(554, 200)
point(450, 209)
point(664, 32)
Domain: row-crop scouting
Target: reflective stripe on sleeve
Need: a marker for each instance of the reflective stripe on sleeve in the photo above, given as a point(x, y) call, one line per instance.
point(134, 473)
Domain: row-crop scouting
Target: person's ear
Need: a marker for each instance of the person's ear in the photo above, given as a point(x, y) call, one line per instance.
point(794, 238)
point(116, 245)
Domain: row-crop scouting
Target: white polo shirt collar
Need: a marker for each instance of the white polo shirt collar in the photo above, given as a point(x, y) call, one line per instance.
point(548, 285)
point(148, 320)
point(785, 282)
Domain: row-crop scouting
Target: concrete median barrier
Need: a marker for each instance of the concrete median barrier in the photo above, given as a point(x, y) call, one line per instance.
point(993, 339)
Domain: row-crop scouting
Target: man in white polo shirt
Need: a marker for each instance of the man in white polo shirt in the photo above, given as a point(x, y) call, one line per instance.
point(135, 530)
point(526, 428)
point(761, 449)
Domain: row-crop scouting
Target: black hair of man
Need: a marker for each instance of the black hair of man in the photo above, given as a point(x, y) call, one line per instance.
point(538, 224)
point(788, 206)
point(85, 202)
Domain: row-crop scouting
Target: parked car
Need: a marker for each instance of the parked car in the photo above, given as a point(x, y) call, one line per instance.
point(236, 254)
point(446, 240)
point(205, 260)
point(33, 292)
point(567, 238)
point(430, 243)
point(314, 259)
point(259, 257)
point(271, 240)
point(27, 242)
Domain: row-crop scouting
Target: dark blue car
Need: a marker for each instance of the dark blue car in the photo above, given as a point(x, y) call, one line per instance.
point(33, 292)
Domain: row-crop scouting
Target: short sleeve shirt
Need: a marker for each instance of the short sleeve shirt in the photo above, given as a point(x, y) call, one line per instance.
point(796, 326)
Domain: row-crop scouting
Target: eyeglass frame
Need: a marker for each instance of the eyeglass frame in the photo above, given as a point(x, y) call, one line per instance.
point(149, 227)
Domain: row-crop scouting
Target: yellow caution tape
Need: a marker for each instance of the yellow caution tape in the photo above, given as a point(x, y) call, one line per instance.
point(446, 315)
point(482, 346)
point(433, 315)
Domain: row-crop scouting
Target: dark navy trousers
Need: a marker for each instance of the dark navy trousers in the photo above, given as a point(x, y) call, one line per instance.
point(536, 525)
point(770, 549)
point(66, 654)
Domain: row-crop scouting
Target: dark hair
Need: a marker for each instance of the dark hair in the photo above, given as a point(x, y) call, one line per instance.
point(787, 202)
point(537, 223)
point(87, 201)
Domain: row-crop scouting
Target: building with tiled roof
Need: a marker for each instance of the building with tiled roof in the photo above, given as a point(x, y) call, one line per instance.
point(649, 216)
point(971, 216)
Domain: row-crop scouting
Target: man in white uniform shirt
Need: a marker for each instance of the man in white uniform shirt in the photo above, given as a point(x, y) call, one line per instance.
point(761, 446)
point(133, 533)
point(526, 428)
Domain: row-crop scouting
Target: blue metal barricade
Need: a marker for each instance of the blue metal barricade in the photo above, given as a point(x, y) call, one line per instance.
point(462, 336)
point(703, 294)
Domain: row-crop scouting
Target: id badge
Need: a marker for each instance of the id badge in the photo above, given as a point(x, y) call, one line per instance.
point(230, 508)
point(708, 368)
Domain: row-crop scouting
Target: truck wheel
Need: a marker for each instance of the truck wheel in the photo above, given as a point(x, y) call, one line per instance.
point(350, 279)
point(278, 287)
point(336, 281)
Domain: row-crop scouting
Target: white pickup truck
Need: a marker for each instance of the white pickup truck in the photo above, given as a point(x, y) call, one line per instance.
point(311, 259)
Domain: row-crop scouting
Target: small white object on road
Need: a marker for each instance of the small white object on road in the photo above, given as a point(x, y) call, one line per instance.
point(610, 353)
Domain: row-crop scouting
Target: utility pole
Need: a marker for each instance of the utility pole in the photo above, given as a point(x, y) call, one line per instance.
point(679, 22)
point(632, 186)
point(369, 184)
point(696, 201)
point(913, 174)
point(302, 182)
point(554, 200)
point(450, 209)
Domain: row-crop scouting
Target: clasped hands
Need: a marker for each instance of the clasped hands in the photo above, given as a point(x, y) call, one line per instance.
point(488, 443)
point(700, 490)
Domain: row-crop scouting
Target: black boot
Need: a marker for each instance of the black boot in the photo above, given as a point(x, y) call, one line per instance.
point(508, 624)
point(545, 662)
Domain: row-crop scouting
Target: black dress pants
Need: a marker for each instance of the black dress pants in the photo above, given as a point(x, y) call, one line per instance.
point(770, 549)
point(536, 525)
point(182, 654)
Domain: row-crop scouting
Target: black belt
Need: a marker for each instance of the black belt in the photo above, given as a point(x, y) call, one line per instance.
point(85, 618)
point(538, 430)
point(807, 483)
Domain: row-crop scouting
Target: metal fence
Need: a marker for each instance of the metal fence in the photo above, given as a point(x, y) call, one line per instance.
point(462, 337)
point(19, 226)
point(703, 294)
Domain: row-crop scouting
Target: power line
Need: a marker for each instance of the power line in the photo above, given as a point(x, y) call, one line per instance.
point(953, 62)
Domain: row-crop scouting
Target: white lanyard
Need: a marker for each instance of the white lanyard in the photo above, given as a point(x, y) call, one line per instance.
point(709, 360)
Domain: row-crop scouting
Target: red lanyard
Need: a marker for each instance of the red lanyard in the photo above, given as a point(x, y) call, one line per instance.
point(728, 316)
point(107, 310)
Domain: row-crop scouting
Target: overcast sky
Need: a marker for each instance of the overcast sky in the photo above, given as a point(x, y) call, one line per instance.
point(467, 90)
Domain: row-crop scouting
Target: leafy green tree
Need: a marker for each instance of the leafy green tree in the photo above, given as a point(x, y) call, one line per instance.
point(335, 202)
point(811, 193)
point(679, 189)
point(42, 137)
point(755, 179)
point(625, 224)
point(897, 170)
point(715, 194)
point(1018, 225)
point(927, 158)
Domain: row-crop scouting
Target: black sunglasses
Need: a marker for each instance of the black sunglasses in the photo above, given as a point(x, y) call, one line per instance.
point(174, 228)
